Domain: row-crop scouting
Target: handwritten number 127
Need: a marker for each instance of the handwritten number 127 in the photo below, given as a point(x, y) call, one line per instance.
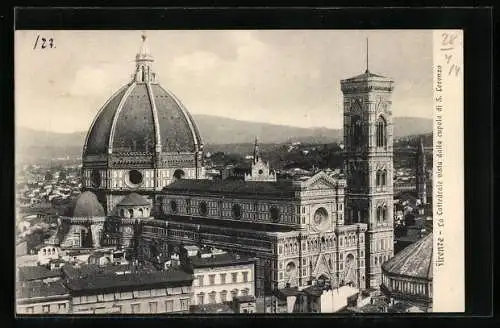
point(44, 43)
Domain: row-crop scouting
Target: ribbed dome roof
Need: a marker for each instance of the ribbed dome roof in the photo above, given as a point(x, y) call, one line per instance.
point(87, 205)
point(414, 261)
point(143, 117)
point(134, 199)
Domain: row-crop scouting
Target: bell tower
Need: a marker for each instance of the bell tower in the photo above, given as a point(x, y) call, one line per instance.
point(368, 150)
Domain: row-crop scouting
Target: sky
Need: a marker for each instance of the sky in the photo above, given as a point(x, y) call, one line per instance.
point(289, 77)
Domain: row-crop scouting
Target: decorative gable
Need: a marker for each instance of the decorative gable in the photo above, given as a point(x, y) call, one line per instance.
point(320, 180)
point(322, 266)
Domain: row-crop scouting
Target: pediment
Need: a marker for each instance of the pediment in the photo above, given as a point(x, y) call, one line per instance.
point(320, 181)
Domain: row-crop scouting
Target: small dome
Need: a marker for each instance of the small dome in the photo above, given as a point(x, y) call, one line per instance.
point(413, 261)
point(134, 199)
point(87, 205)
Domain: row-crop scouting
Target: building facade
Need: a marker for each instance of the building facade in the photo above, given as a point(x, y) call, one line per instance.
point(368, 140)
point(295, 229)
point(220, 278)
point(43, 298)
point(40, 290)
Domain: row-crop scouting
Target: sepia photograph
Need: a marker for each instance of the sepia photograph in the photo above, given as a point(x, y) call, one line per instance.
point(238, 171)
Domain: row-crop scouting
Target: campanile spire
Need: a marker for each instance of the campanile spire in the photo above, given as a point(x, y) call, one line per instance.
point(256, 153)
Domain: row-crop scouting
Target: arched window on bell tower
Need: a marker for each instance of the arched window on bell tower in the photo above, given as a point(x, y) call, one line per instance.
point(381, 132)
point(356, 131)
point(381, 178)
point(379, 214)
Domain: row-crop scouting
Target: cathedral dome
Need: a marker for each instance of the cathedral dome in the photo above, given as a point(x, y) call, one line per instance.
point(142, 117)
point(87, 205)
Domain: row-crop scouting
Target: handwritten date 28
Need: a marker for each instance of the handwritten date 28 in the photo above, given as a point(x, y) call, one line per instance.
point(44, 43)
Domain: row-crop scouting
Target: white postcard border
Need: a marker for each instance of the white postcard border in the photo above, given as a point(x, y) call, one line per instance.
point(448, 173)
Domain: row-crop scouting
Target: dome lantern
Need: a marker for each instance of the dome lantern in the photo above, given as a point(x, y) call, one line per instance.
point(143, 71)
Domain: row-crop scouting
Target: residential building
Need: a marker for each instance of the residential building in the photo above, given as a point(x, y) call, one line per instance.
point(37, 297)
point(219, 278)
point(128, 290)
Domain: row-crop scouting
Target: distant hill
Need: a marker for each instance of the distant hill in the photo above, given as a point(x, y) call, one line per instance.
point(215, 131)
point(33, 144)
point(410, 126)
point(219, 130)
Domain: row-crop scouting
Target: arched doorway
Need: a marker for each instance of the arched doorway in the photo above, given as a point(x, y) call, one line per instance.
point(291, 273)
point(351, 275)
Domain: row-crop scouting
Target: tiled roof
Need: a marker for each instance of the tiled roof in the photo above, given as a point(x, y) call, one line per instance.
point(413, 261)
point(226, 259)
point(104, 281)
point(233, 224)
point(134, 199)
point(250, 188)
point(364, 76)
point(131, 114)
point(94, 269)
point(30, 273)
point(39, 289)
point(407, 239)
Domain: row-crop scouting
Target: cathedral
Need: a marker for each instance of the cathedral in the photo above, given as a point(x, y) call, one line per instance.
point(145, 190)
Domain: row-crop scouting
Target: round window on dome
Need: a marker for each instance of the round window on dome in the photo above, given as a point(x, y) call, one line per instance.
point(95, 178)
point(173, 206)
point(135, 177)
point(203, 208)
point(261, 171)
